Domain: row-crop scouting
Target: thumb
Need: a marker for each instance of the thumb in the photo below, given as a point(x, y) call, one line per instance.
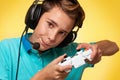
point(60, 58)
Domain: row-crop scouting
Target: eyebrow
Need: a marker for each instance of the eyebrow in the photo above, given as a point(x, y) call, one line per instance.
point(57, 25)
point(53, 22)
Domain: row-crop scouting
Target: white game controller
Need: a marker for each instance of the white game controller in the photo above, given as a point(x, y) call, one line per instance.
point(77, 60)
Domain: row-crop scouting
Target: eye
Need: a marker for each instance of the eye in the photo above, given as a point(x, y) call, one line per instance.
point(50, 24)
point(63, 33)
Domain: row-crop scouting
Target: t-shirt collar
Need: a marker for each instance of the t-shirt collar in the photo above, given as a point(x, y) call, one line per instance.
point(26, 43)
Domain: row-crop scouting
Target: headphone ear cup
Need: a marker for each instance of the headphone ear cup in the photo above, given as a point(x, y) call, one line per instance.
point(74, 35)
point(70, 38)
point(33, 15)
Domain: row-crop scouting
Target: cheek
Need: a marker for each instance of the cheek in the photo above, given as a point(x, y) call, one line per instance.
point(40, 30)
point(59, 40)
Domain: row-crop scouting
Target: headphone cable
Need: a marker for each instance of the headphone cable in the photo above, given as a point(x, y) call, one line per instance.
point(18, 61)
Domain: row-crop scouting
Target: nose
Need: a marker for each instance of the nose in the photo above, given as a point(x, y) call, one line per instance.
point(52, 36)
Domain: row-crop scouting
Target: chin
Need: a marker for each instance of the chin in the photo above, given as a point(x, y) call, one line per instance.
point(43, 49)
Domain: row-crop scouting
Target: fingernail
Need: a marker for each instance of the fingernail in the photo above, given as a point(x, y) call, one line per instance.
point(65, 56)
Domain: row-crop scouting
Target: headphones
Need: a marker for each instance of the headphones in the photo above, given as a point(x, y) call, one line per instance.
point(33, 15)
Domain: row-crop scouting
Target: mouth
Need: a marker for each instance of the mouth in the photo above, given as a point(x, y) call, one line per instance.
point(44, 44)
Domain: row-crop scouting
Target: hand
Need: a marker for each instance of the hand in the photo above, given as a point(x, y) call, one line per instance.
point(53, 71)
point(96, 52)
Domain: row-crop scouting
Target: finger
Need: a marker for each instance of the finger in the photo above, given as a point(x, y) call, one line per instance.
point(94, 53)
point(61, 75)
point(64, 75)
point(66, 68)
point(83, 45)
point(59, 59)
point(95, 60)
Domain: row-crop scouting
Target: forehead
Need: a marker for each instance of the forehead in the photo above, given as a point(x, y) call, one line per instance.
point(57, 15)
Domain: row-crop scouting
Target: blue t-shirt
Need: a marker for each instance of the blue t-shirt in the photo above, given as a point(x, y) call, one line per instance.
point(30, 60)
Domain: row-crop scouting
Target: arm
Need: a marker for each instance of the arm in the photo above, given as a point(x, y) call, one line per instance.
point(99, 49)
point(107, 47)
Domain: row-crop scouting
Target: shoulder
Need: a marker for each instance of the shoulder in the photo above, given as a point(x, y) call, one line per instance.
point(9, 41)
point(9, 49)
point(8, 45)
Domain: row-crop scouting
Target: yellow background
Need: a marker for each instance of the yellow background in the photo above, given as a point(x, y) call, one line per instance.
point(102, 22)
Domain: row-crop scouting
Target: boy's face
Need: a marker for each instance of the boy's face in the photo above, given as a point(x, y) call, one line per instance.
point(52, 29)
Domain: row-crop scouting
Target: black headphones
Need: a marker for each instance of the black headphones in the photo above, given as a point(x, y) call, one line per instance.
point(33, 15)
